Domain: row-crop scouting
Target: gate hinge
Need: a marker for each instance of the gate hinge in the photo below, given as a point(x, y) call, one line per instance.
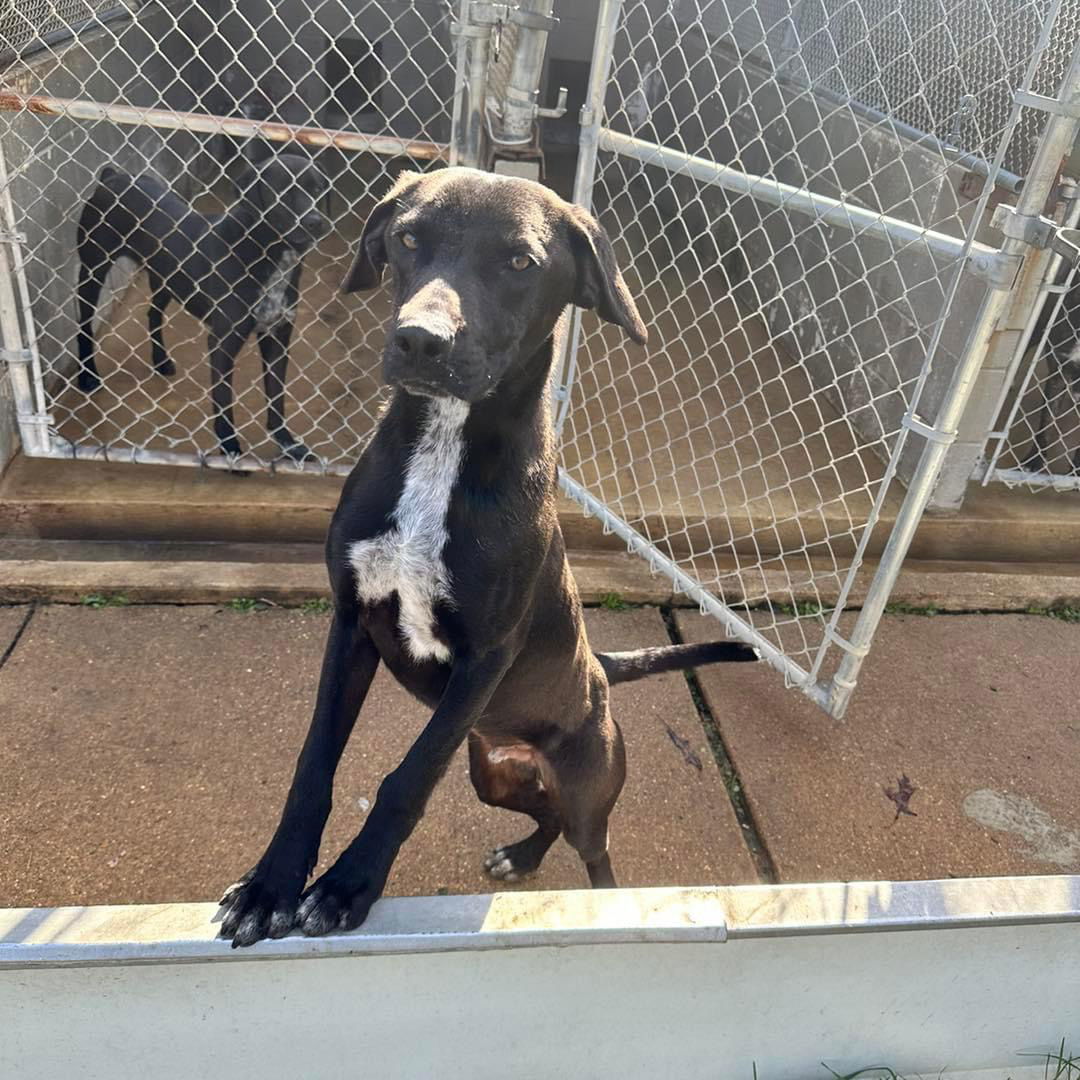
point(7, 237)
point(1038, 232)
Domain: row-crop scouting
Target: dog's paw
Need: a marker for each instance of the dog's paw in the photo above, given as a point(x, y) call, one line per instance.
point(515, 861)
point(230, 446)
point(258, 906)
point(294, 449)
point(335, 902)
point(88, 381)
point(500, 865)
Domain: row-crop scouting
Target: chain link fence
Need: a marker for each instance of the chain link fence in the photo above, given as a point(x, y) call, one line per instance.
point(192, 94)
point(801, 192)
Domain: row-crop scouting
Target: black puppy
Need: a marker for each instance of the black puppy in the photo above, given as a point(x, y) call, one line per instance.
point(446, 558)
point(238, 272)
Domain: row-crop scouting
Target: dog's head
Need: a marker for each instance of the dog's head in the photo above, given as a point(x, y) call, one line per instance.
point(483, 266)
point(283, 192)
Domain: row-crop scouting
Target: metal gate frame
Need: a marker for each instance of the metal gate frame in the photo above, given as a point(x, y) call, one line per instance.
point(1024, 230)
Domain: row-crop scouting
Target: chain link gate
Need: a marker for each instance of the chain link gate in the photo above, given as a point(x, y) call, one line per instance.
point(800, 194)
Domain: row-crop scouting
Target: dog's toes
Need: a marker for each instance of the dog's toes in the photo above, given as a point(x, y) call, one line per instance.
point(254, 909)
point(500, 865)
point(336, 903)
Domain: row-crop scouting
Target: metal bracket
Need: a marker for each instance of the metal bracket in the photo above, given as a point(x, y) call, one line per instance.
point(1047, 104)
point(931, 434)
point(1038, 232)
point(586, 116)
point(997, 269)
point(12, 238)
point(558, 111)
point(16, 357)
point(496, 14)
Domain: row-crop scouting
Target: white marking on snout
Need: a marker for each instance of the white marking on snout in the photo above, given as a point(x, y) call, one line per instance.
point(408, 558)
point(271, 308)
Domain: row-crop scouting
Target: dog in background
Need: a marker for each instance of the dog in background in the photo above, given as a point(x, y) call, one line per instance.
point(237, 271)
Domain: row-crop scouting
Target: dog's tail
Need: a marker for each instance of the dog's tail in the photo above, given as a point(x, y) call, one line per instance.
point(621, 667)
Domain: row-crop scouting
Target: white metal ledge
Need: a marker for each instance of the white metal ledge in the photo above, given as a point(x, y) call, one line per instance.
point(960, 976)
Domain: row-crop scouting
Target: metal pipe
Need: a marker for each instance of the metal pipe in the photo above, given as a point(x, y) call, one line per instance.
point(827, 210)
point(17, 334)
point(1057, 139)
point(63, 450)
point(607, 21)
point(173, 120)
point(519, 108)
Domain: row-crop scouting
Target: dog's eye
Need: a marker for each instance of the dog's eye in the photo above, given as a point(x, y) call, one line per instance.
point(409, 241)
point(520, 262)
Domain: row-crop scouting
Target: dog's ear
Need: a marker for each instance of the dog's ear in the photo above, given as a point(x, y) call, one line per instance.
point(599, 284)
point(366, 270)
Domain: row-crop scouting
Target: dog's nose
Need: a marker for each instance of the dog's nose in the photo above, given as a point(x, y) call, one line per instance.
point(419, 343)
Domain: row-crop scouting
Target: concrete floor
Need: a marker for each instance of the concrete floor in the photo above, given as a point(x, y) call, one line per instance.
point(145, 752)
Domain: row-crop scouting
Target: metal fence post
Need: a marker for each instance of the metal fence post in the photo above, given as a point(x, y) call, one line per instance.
point(470, 89)
point(592, 115)
point(1058, 136)
point(19, 341)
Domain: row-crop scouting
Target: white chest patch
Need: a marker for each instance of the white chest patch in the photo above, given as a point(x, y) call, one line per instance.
point(271, 308)
point(408, 558)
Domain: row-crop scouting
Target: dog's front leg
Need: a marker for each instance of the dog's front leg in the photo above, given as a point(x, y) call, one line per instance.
point(274, 347)
point(263, 903)
point(223, 350)
point(343, 896)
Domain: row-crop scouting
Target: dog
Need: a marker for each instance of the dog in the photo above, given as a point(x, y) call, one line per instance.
point(446, 558)
point(238, 272)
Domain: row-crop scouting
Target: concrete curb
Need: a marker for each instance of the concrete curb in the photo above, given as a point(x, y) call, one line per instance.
point(601, 577)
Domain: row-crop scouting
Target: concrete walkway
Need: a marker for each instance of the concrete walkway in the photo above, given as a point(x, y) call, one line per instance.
point(145, 751)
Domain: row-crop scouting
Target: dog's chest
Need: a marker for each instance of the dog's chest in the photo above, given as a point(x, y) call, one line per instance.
point(272, 307)
point(408, 558)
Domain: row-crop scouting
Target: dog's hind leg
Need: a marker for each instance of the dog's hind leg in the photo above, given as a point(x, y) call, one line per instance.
point(590, 768)
point(159, 301)
point(516, 777)
point(92, 273)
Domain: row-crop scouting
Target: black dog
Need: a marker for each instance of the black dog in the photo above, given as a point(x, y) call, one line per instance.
point(446, 558)
point(238, 272)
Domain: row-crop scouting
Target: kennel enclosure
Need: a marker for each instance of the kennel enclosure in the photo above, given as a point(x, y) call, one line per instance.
point(842, 223)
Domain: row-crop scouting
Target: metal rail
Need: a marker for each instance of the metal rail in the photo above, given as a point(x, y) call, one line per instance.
point(174, 120)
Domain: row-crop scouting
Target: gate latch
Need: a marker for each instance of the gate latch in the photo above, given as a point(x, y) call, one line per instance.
point(1038, 232)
